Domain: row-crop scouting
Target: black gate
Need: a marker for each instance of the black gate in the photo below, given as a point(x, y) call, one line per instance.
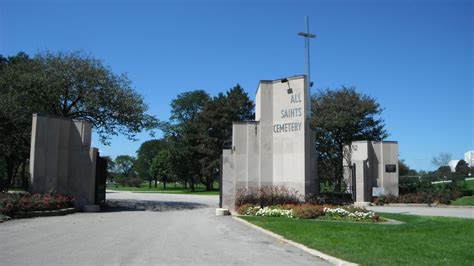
point(354, 182)
point(100, 179)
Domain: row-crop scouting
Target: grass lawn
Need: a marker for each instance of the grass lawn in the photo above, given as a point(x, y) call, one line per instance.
point(470, 184)
point(464, 201)
point(421, 241)
point(170, 188)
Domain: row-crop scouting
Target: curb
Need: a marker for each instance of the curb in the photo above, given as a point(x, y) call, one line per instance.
point(32, 214)
point(316, 253)
point(440, 206)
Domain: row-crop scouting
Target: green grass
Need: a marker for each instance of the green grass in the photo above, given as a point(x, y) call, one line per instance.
point(470, 184)
point(464, 201)
point(170, 188)
point(420, 241)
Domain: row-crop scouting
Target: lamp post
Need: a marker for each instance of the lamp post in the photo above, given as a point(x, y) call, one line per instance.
point(306, 35)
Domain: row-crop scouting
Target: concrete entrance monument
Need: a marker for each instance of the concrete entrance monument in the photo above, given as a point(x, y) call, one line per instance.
point(373, 171)
point(275, 149)
point(62, 160)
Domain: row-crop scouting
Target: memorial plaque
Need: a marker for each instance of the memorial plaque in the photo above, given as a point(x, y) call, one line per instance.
point(390, 168)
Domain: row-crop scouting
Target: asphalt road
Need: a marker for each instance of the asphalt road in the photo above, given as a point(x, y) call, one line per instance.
point(190, 235)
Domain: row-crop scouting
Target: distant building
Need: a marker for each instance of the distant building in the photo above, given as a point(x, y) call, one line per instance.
point(469, 158)
point(452, 164)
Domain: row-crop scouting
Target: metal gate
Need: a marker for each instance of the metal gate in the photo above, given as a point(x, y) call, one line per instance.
point(354, 182)
point(100, 179)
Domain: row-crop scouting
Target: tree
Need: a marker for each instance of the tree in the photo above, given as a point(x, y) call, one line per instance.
point(19, 75)
point(340, 117)
point(443, 172)
point(216, 121)
point(404, 169)
point(184, 135)
point(441, 159)
point(200, 128)
point(145, 155)
point(124, 167)
point(160, 168)
point(110, 168)
point(462, 168)
point(70, 85)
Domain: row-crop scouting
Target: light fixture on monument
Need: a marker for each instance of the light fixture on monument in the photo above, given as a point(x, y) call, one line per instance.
point(289, 90)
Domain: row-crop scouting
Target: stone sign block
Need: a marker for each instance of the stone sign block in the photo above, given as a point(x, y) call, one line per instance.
point(61, 158)
point(275, 149)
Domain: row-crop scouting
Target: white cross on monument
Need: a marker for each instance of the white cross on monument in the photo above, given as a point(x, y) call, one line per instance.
point(307, 36)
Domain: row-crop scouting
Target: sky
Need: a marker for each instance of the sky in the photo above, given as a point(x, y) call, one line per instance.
point(414, 57)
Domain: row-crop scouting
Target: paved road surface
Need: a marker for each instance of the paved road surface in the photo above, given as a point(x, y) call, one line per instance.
point(427, 211)
point(187, 236)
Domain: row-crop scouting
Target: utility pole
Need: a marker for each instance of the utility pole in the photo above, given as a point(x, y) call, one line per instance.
point(306, 35)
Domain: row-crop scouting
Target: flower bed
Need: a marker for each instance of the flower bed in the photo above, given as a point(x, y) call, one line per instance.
point(12, 203)
point(311, 211)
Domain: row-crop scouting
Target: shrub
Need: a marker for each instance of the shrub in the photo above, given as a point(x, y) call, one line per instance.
point(335, 198)
point(11, 203)
point(466, 192)
point(444, 197)
point(267, 196)
point(308, 211)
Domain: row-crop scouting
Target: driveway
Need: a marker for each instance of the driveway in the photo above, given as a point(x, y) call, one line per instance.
point(190, 235)
point(459, 212)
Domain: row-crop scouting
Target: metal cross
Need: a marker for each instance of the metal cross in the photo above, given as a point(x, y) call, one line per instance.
point(307, 36)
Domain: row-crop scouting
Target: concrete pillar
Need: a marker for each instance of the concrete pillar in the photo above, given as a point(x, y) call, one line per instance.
point(61, 159)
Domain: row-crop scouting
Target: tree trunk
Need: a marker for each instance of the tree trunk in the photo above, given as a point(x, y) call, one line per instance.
point(149, 182)
point(10, 173)
point(164, 183)
point(156, 182)
point(24, 178)
point(209, 184)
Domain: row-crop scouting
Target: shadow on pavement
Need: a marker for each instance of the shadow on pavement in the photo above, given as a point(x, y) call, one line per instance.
point(146, 205)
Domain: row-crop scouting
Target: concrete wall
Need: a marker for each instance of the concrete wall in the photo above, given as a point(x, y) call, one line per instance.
point(277, 148)
point(288, 133)
point(61, 159)
point(387, 154)
point(371, 159)
point(469, 158)
point(228, 180)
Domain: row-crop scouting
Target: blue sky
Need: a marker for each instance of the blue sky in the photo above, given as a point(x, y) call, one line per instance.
point(415, 57)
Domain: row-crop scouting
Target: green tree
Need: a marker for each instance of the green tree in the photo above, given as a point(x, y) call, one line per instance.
point(19, 75)
point(124, 168)
point(200, 128)
point(160, 168)
point(443, 172)
point(216, 122)
point(70, 85)
point(340, 117)
point(110, 168)
point(404, 169)
point(184, 135)
point(145, 155)
point(462, 168)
